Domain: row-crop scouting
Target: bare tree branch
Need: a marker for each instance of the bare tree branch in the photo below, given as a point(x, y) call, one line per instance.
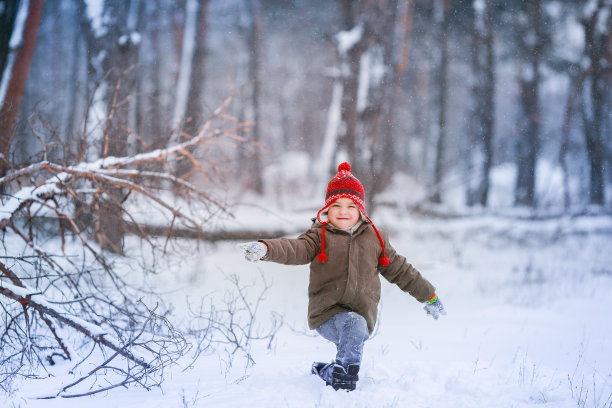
point(62, 279)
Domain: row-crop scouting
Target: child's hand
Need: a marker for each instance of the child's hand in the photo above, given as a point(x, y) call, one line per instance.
point(435, 308)
point(254, 251)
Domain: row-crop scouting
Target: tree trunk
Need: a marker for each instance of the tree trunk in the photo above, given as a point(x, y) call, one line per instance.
point(255, 45)
point(350, 74)
point(442, 103)
point(153, 128)
point(482, 124)
point(377, 117)
point(186, 66)
point(324, 162)
point(489, 108)
point(399, 71)
point(120, 64)
point(528, 143)
point(15, 74)
point(77, 94)
point(7, 23)
point(194, 114)
point(367, 99)
point(596, 109)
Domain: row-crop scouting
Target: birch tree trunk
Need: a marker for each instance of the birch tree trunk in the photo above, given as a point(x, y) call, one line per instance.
point(324, 162)
point(15, 74)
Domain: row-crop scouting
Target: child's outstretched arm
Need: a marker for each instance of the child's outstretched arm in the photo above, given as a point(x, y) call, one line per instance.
point(296, 251)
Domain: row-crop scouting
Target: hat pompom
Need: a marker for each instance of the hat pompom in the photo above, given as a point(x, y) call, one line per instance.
point(344, 166)
point(384, 261)
point(322, 257)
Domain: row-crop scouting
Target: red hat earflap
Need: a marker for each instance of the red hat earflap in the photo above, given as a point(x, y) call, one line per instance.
point(322, 257)
point(383, 260)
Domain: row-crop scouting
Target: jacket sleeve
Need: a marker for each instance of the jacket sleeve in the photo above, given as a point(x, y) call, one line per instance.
point(295, 251)
point(404, 275)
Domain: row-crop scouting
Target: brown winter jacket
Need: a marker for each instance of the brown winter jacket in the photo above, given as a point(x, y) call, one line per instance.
point(348, 279)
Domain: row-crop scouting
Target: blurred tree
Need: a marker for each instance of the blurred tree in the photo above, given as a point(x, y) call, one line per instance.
point(369, 68)
point(597, 24)
point(77, 92)
point(122, 42)
point(352, 13)
point(8, 12)
point(16, 57)
point(401, 62)
point(255, 77)
point(395, 102)
point(378, 116)
point(482, 115)
point(442, 20)
point(194, 113)
point(153, 125)
point(530, 45)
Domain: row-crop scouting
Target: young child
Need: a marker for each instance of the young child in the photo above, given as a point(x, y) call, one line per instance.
point(346, 254)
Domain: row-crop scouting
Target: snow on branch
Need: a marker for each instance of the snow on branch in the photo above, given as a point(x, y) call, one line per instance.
point(115, 172)
point(348, 39)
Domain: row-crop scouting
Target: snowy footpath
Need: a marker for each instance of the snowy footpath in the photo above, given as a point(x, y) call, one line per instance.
point(529, 325)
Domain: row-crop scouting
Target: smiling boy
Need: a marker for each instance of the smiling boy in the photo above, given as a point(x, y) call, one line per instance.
point(343, 213)
point(346, 254)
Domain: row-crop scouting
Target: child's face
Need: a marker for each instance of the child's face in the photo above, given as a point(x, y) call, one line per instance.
point(343, 213)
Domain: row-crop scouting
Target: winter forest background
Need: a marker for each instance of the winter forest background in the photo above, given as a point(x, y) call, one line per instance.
point(141, 140)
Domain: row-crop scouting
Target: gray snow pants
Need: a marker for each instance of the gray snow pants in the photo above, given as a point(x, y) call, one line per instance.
point(348, 331)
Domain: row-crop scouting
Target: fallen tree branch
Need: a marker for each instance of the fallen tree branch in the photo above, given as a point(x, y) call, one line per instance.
point(70, 272)
point(176, 232)
point(26, 296)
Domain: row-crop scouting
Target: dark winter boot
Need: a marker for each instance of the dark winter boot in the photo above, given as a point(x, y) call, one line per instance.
point(341, 378)
point(319, 369)
point(345, 378)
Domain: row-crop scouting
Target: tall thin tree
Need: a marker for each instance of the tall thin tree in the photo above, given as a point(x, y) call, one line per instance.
point(596, 94)
point(482, 118)
point(352, 17)
point(194, 115)
point(255, 58)
point(527, 147)
point(442, 17)
point(21, 47)
point(120, 65)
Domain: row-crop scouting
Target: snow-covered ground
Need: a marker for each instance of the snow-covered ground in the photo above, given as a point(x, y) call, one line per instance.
point(528, 324)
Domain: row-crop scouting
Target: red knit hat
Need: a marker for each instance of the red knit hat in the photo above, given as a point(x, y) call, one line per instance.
point(345, 185)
